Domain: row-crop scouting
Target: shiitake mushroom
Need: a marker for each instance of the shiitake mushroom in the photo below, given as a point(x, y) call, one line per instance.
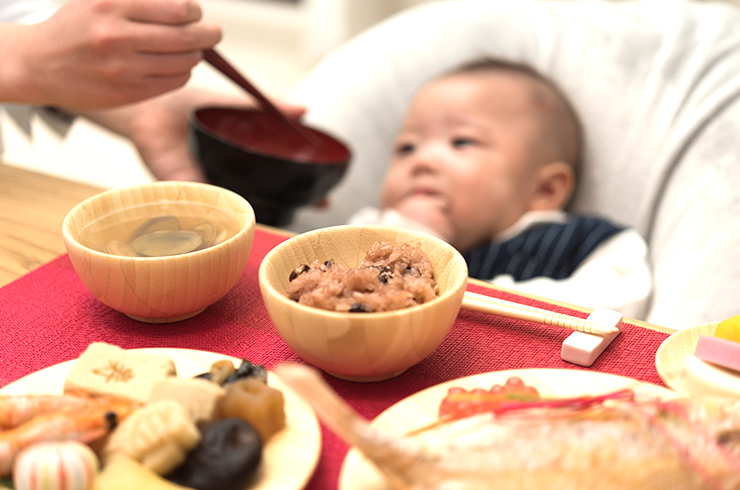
point(226, 458)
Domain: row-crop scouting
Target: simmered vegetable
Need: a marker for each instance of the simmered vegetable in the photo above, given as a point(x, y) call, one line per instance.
point(223, 372)
point(252, 400)
point(228, 454)
point(157, 435)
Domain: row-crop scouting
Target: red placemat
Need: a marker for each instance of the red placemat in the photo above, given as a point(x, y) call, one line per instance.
point(48, 316)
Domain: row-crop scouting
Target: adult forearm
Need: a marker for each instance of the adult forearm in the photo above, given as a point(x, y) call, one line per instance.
point(17, 84)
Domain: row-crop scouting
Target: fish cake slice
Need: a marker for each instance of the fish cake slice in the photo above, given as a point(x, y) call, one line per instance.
point(105, 369)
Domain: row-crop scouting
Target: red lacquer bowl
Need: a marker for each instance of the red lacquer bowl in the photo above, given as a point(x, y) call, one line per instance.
point(259, 157)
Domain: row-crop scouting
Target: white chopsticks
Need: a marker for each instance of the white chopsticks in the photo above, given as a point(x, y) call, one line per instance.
point(509, 309)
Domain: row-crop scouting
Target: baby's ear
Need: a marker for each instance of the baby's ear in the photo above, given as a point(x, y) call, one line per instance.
point(555, 185)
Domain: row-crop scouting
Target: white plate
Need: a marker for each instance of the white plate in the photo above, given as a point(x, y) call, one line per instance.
point(289, 457)
point(672, 352)
point(420, 409)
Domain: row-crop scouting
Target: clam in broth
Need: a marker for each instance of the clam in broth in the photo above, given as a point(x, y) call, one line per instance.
point(160, 236)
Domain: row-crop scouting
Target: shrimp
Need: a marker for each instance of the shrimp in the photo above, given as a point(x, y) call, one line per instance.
point(610, 442)
point(85, 424)
point(17, 409)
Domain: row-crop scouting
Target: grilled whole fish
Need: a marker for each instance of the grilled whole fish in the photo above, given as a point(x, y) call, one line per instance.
point(620, 444)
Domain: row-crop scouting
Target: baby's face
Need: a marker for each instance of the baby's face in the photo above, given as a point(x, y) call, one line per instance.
point(465, 161)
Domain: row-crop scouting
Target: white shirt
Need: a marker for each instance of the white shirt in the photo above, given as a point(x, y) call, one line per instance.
point(616, 275)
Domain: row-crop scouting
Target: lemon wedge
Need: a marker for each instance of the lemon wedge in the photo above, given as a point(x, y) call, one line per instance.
point(729, 329)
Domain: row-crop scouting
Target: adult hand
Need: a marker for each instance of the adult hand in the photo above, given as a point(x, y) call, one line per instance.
point(103, 53)
point(159, 128)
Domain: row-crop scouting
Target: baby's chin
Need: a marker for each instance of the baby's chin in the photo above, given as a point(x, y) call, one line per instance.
point(431, 211)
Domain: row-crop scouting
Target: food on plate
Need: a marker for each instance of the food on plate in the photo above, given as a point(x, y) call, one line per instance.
point(105, 369)
point(68, 465)
point(253, 401)
point(729, 329)
point(158, 435)
point(16, 410)
point(613, 441)
point(390, 277)
point(699, 378)
point(123, 473)
point(198, 396)
point(714, 367)
point(154, 425)
point(720, 352)
point(460, 402)
point(220, 372)
point(87, 424)
point(223, 372)
point(226, 458)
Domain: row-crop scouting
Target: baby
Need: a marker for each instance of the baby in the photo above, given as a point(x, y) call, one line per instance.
point(486, 159)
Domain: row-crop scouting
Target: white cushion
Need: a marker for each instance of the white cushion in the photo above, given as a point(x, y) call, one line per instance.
point(657, 86)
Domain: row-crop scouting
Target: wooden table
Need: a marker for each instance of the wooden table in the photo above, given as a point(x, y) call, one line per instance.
point(32, 210)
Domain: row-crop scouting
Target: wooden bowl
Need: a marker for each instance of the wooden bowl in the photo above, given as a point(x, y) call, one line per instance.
point(361, 346)
point(159, 289)
point(255, 155)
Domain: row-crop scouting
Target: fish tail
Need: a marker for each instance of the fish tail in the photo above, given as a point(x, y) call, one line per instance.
point(391, 458)
point(333, 411)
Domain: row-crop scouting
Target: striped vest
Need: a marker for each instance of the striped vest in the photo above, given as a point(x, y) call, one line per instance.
point(552, 250)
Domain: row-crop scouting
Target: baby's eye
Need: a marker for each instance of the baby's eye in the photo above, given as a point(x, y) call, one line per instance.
point(405, 149)
point(463, 142)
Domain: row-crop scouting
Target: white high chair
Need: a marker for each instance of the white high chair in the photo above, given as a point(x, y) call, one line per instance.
point(656, 83)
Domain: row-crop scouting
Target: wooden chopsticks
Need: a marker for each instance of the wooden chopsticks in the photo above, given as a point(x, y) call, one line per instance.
point(509, 309)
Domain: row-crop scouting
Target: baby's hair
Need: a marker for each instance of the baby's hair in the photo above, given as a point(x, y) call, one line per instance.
point(569, 139)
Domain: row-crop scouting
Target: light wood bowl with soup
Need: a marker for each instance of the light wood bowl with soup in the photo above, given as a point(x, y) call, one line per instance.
point(361, 346)
point(160, 252)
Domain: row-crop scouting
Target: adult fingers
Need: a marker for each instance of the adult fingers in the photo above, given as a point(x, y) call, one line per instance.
point(152, 38)
point(166, 65)
point(175, 12)
point(291, 110)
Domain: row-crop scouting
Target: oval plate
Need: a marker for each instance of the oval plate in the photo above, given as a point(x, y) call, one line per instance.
point(420, 409)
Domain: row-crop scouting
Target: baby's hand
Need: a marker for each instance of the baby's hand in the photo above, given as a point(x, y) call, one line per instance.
point(430, 211)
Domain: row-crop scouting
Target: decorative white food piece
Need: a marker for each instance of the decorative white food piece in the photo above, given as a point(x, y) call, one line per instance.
point(105, 369)
point(68, 465)
point(723, 353)
point(198, 396)
point(699, 378)
point(584, 348)
point(159, 435)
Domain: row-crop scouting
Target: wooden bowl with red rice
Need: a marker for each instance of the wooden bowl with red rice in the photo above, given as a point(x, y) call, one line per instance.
point(356, 344)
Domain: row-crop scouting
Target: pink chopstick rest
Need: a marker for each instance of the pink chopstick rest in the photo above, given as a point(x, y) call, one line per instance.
point(584, 348)
point(720, 352)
